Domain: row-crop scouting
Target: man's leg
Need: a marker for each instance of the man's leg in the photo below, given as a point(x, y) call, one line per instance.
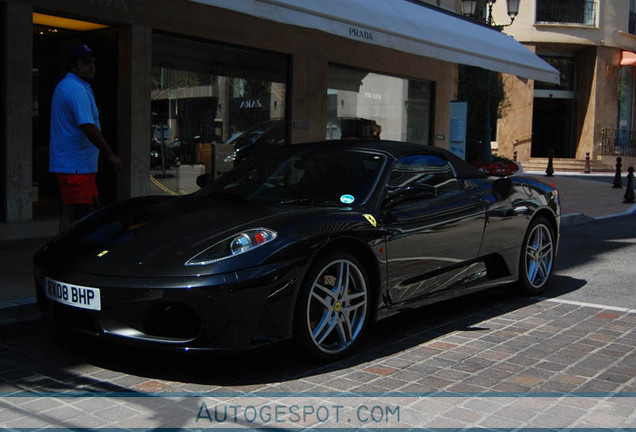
point(68, 216)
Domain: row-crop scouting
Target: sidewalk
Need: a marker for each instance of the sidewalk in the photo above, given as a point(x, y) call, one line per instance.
point(583, 197)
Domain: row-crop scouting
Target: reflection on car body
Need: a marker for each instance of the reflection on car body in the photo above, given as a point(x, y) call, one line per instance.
point(310, 242)
point(263, 136)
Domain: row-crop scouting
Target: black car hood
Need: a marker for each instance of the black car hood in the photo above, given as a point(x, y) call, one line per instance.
point(154, 236)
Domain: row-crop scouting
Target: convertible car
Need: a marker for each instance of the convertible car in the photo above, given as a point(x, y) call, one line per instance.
point(308, 241)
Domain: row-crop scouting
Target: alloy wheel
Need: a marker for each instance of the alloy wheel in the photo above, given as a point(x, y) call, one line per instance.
point(337, 306)
point(539, 255)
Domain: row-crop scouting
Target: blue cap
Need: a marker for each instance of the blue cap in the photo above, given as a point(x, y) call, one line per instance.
point(80, 51)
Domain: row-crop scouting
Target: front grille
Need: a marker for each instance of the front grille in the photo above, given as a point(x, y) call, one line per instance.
point(171, 320)
point(74, 318)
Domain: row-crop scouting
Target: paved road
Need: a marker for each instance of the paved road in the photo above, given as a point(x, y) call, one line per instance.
point(596, 262)
point(492, 360)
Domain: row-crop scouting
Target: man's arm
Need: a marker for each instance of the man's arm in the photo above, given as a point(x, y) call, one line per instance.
point(95, 136)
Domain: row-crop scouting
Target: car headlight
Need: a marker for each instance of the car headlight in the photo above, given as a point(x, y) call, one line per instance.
point(233, 246)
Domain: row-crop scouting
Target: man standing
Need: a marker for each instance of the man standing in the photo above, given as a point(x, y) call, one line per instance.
point(76, 138)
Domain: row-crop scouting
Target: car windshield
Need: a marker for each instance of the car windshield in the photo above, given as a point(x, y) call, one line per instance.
point(291, 175)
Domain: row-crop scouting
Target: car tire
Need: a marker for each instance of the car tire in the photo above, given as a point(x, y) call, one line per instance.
point(333, 307)
point(537, 257)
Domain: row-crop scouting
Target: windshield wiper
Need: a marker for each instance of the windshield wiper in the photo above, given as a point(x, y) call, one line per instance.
point(299, 201)
point(225, 196)
point(307, 201)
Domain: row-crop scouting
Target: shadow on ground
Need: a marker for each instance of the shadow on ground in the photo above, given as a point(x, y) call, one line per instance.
point(54, 360)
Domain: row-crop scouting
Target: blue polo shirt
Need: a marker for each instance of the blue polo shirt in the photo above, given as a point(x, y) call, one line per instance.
point(70, 151)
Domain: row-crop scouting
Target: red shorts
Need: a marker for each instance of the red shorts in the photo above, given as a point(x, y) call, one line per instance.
point(77, 188)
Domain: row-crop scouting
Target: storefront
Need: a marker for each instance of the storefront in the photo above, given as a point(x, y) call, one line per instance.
point(181, 85)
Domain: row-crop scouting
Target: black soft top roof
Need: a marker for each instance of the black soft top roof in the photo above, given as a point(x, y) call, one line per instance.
point(399, 149)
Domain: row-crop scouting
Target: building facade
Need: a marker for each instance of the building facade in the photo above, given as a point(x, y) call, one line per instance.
point(591, 111)
point(180, 84)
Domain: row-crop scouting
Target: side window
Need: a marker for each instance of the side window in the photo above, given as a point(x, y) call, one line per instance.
point(424, 170)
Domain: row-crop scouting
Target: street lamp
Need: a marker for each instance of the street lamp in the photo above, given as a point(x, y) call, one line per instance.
point(469, 8)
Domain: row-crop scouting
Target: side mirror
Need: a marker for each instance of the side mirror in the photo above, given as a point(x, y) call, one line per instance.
point(203, 180)
point(502, 188)
point(408, 193)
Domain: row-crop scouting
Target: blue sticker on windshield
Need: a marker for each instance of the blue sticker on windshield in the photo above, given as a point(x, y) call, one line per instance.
point(347, 199)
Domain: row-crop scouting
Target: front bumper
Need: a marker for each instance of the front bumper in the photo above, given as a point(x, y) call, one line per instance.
point(219, 312)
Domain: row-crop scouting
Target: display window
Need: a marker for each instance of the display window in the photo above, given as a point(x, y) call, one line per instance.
point(626, 79)
point(367, 105)
point(212, 107)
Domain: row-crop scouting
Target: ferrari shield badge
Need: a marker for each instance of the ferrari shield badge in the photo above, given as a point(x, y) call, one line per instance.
point(371, 219)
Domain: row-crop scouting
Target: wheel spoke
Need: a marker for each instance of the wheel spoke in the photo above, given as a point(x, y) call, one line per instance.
point(352, 307)
point(344, 330)
point(325, 291)
point(342, 282)
point(324, 301)
point(547, 249)
point(325, 326)
point(351, 297)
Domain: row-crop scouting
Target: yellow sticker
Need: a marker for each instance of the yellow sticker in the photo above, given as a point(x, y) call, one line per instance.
point(371, 219)
point(102, 253)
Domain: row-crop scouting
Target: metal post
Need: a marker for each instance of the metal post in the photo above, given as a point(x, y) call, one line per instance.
point(587, 163)
point(629, 192)
point(550, 170)
point(618, 182)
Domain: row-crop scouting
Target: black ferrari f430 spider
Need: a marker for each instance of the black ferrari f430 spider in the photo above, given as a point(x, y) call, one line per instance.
point(309, 241)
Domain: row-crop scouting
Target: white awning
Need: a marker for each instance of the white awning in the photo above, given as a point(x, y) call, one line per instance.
point(405, 26)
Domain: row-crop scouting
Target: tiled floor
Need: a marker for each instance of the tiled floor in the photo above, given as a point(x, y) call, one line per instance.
point(491, 361)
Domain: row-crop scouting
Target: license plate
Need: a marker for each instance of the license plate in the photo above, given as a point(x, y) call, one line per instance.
point(73, 295)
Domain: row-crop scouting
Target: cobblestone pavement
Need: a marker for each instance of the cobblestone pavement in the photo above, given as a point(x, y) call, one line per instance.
point(491, 360)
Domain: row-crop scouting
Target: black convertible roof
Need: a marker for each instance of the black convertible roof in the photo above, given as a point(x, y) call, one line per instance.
point(399, 149)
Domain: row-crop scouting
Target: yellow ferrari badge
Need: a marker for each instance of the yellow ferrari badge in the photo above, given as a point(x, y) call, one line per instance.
point(371, 219)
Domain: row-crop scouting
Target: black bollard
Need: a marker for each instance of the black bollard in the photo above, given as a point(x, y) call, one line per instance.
point(629, 193)
point(618, 182)
point(514, 155)
point(550, 170)
point(587, 163)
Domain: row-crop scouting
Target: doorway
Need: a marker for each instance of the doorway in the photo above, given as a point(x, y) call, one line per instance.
point(52, 43)
point(552, 127)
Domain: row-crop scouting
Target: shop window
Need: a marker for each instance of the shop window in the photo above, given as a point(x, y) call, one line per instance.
point(361, 102)
point(212, 107)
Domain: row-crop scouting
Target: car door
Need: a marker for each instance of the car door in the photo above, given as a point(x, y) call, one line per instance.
point(434, 227)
